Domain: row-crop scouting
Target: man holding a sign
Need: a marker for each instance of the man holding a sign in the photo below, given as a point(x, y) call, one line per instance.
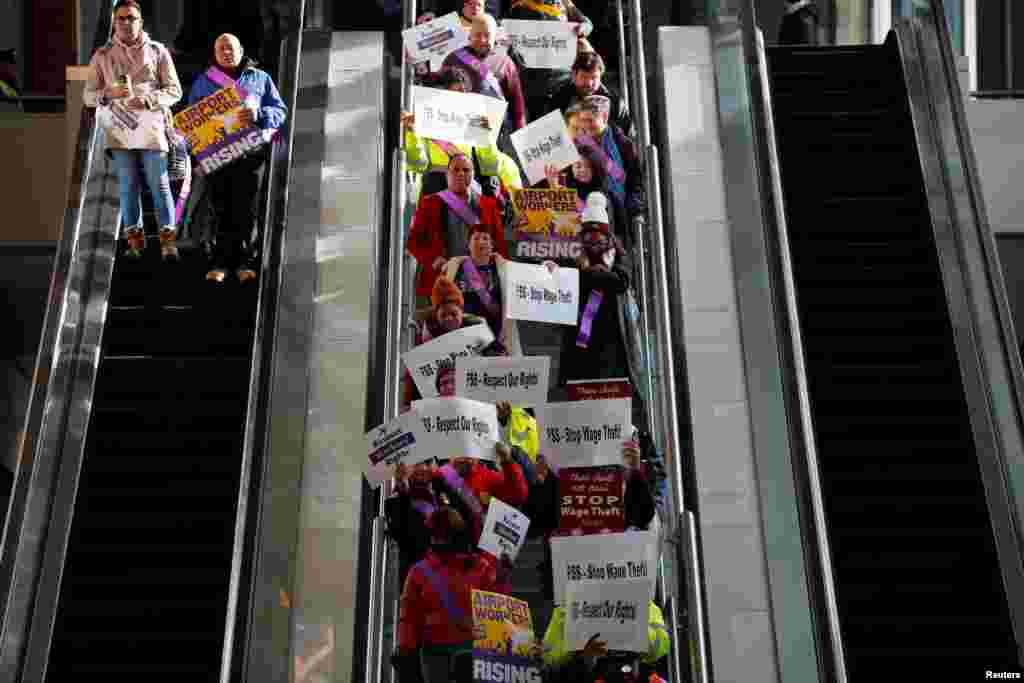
point(231, 146)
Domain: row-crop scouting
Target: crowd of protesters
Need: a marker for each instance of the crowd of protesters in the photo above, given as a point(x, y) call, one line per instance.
point(460, 237)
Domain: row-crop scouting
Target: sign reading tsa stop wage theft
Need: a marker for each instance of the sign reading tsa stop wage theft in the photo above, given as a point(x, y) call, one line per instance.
point(502, 640)
point(456, 117)
point(533, 293)
point(584, 433)
point(214, 133)
point(544, 142)
point(425, 360)
point(520, 380)
point(546, 223)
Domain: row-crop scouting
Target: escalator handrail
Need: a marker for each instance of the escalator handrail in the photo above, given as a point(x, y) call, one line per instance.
point(986, 343)
point(42, 503)
point(240, 609)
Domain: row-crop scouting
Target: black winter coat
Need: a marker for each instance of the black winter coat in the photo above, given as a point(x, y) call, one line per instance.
point(799, 27)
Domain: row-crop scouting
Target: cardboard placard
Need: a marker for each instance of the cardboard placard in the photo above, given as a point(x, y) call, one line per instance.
point(543, 44)
point(213, 130)
point(599, 389)
point(604, 558)
point(503, 639)
point(456, 427)
point(520, 380)
point(425, 360)
point(544, 142)
point(591, 500)
point(618, 611)
point(585, 433)
point(546, 224)
point(435, 40)
point(459, 118)
point(389, 444)
point(532, 293)
point(504, 530)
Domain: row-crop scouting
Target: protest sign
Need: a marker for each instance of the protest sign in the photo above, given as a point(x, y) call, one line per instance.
point(214, 132)
point(619, 612)
point(387, 445)
point(543, 44)
point(459, 118)
point(603, 558)
point(425, 360)
point(520, 380)
point(456, 427)
point(585, 433)
point(504, 530)
point(591, 500)
point(533, 293)
point(546, 223)
point(544, 142)
point(597, 389)
point(503, 639)
point(435, 40)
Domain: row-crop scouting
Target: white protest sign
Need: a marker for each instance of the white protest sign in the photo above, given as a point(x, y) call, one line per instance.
point(397, 441)
point(604, 558)
point(425, 360)
point(619, 612)
point(543, 142)
point(435, 40)
point(585, 433)
point(456, 427)
point(504, 530)
point(533, 293)
point(459, 118)
point(543, 44)
point(521, 380)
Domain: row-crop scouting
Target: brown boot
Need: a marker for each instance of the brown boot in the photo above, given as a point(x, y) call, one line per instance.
point(168, 244)
point(136, 242)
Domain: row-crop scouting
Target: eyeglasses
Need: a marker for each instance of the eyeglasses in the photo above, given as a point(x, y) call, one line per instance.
point(127, 20)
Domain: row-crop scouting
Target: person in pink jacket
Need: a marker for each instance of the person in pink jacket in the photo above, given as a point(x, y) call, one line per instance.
point(133, 84)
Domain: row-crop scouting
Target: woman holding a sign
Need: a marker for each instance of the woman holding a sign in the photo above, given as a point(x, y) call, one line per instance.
point(478, 276)
point(133, 83)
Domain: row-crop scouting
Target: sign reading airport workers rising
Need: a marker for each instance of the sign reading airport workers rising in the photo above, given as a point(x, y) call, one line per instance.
point(214, 132)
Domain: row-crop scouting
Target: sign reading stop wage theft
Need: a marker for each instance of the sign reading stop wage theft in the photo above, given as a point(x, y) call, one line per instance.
point(591, 500)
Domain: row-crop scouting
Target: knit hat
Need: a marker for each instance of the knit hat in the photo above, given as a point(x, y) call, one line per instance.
point(446, 292)
point(596, 211)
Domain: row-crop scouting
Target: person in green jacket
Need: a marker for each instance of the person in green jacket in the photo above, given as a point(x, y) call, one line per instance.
point(429, 158)
point(593, 661)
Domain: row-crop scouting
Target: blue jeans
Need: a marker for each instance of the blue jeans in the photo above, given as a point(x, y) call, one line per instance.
point(132, 165)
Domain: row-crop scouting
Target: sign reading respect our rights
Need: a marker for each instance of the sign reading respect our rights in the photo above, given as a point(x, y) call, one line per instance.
point(435, 40)
point(456, 427)
point(533, 293)
point(459, 118)
point(520, 380)
point(543, 44)
point(544, 142)
point(425, 360)
point(617, 612)
point(585, 433)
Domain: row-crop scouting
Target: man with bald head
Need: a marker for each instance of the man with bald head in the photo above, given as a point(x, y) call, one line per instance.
point(234, 189)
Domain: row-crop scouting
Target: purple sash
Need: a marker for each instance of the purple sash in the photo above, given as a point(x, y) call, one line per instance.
point(486, 76)
point(457, 484)
point(460, 208)
point(589, 313)
point(424, 507)
point(179, 207)
point(614, 170)
point(224, 81)
point(476, 281)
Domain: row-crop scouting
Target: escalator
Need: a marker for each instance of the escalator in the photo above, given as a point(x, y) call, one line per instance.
point(148, 564)
point(914, 556)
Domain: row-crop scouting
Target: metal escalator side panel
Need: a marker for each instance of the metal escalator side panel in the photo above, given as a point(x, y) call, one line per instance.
point(42, 504)
point(986, 344)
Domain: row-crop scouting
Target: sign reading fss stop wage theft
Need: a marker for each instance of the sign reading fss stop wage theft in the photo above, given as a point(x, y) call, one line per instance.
point(424, 361)
point(520, 380)
point(533, 293)
point(604, 558)
point(584, 433)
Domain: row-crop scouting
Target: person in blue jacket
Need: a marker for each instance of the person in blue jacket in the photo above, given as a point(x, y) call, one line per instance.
point(234, 187)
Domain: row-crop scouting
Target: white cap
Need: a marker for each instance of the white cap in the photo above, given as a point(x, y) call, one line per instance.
point(596, 210)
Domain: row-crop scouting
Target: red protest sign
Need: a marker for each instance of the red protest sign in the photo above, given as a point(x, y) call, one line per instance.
point(591, 500)
point(598, 389)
